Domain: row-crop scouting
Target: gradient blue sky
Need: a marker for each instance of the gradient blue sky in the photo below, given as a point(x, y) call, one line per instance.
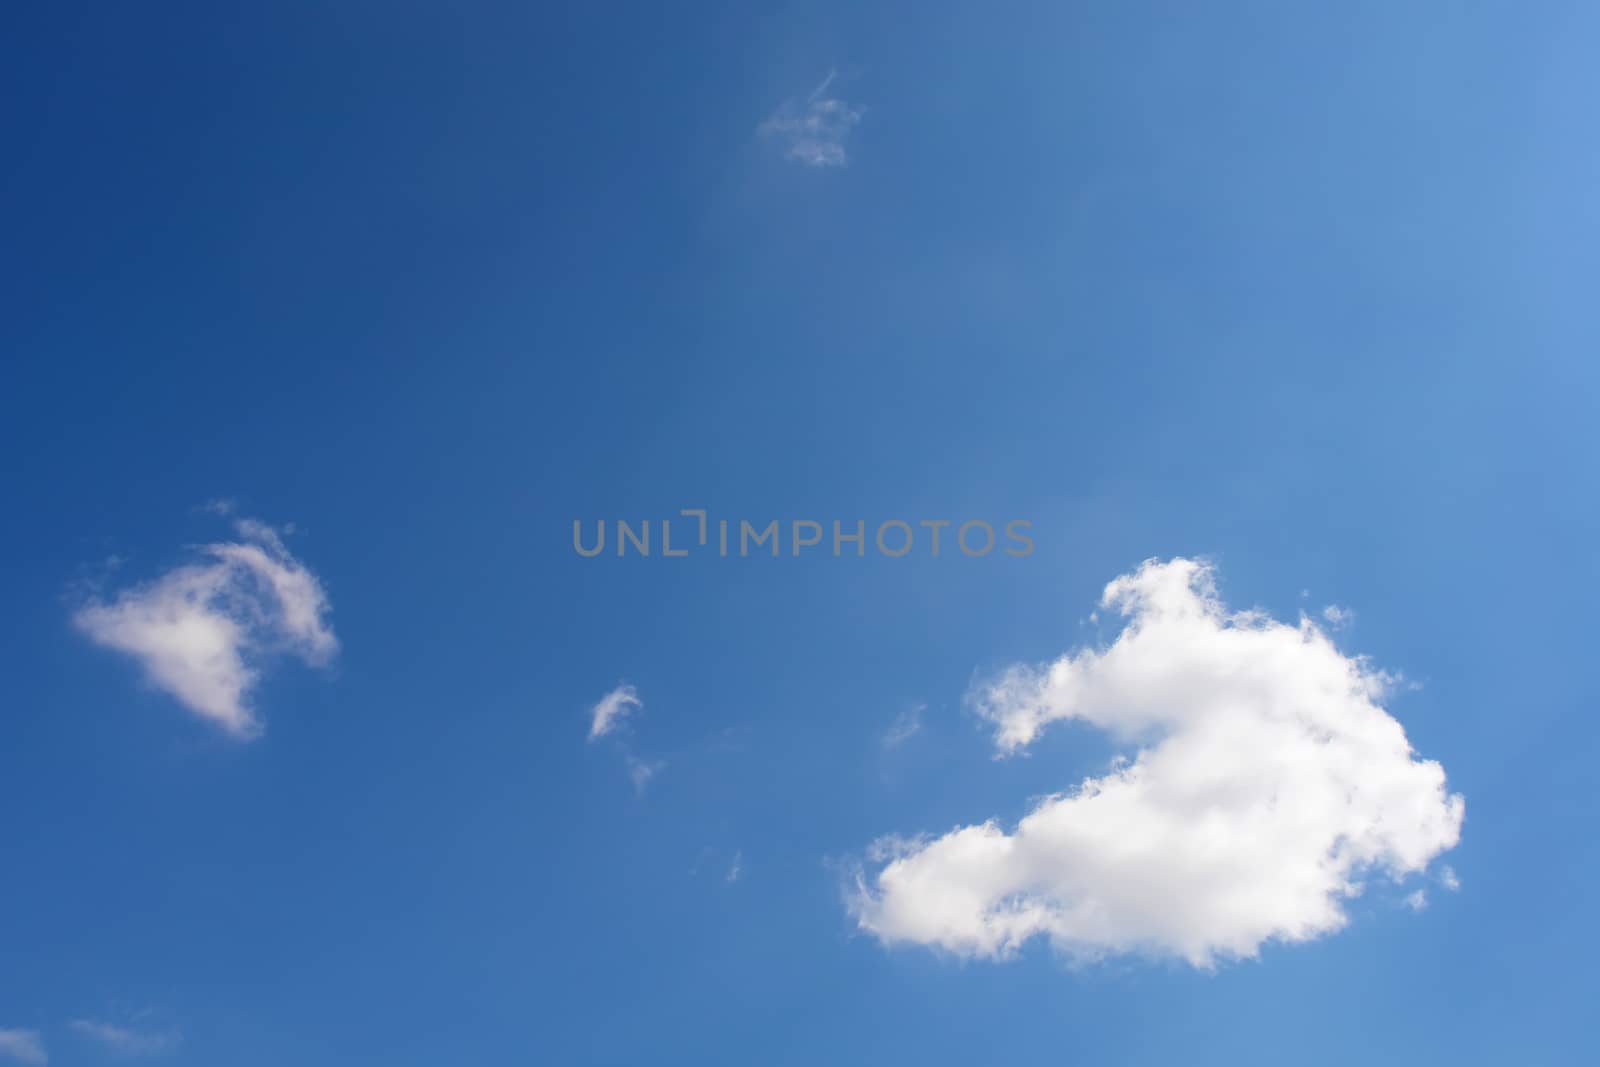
point(1305, 289)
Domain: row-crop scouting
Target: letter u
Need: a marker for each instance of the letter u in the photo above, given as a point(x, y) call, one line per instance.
point(577, 538)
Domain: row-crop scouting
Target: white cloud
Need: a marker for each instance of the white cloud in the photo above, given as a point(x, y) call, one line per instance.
point(906, 725)
point(1417, 900)
point(205, 631)
point(1264, 781)
point(608, 716)
point(814, 132)
point(126, 1041)
point(641, 771)
point(24, 1046)
point(1448, 879)
point(1338, 617)
point(612, 709)
point(736, 869)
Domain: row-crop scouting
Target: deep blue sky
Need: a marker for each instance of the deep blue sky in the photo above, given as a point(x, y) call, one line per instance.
point(1305, 289)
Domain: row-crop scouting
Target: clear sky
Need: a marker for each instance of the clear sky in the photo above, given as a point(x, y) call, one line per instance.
point(321, 324)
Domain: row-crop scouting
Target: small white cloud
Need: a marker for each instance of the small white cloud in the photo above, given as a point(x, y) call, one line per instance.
point(205, 631)
point(1417, 900)
point(24, 1046)
point(1448, 879)
point(736, 869)
point(906, 725)
point(608, 717)
point(813, 132)
point(642, 771)
point(1338, 617)
point(127, 1041)
point(612, 710)
point(1261, 780)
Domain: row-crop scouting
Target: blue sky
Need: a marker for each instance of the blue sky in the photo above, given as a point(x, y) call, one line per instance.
point(381, 298)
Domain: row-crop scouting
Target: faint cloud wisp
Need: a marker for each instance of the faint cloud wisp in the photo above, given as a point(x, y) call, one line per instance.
point(127, 1041)
point(608, 716)
point(612, 710)
point(906, 725)
point(813, 131)
point(24, 1046)
point(640, 771)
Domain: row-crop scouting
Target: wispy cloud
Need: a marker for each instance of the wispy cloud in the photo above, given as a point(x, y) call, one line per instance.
point(736, 868)
point(612, 710)
point(813, 131)
point(608, 716)
point(127, 1041)
point(24, 1046)
point(1338, 617)
point(1264, 779)
point(906, 725)
point(205, 631)
point(640, 771)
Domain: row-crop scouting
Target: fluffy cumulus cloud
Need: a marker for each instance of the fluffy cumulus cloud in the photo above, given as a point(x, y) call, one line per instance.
point(126, 1040)
point(813, 132)
point(1262, 783)
point(23, 1046)
point(205, 631)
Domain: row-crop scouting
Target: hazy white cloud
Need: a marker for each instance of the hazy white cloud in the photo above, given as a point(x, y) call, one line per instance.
point(1448, 879)
point(24, 1046)
point(906, 725)
point(127, 1041)
point(205, 631)
point(1338, 617)
point(813, 131)
point(612, 710)
point(1417, 899)
point(641, 771)
point(1263, 781)
point(736, 868)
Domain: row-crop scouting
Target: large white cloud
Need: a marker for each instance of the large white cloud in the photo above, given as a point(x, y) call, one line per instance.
point(1263, 783)
point(204, 631)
